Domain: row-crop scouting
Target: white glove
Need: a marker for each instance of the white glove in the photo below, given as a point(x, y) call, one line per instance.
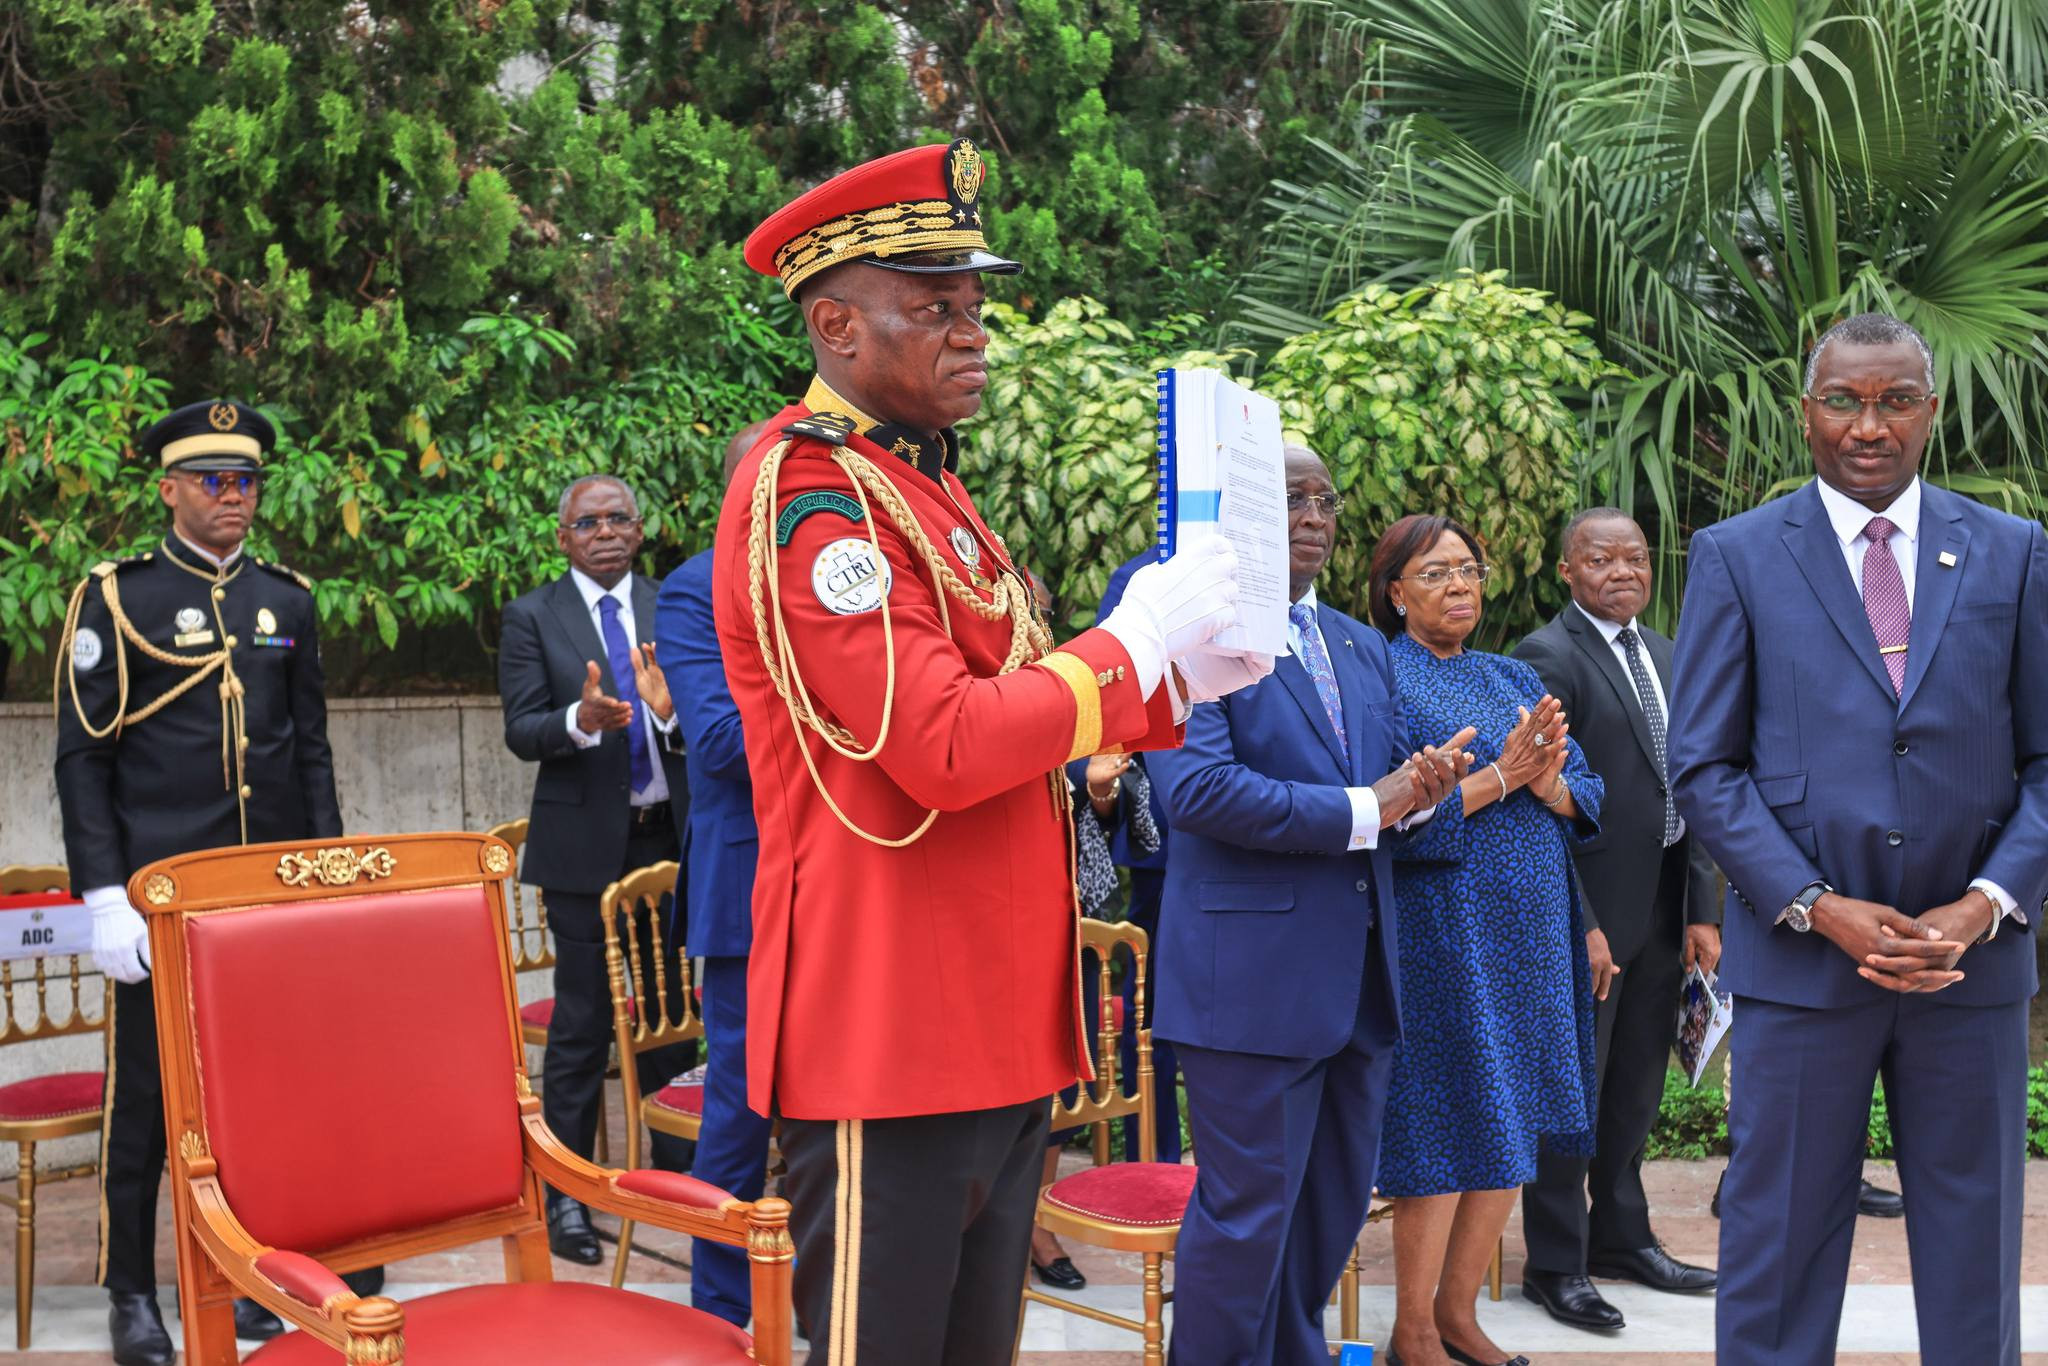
point(1172, 606)
point(120, 941)
point(1213, 672)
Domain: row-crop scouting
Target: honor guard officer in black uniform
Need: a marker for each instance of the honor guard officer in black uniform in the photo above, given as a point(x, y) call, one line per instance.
point(191, 714)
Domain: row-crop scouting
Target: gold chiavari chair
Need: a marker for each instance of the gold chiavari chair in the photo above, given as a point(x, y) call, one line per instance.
point(634, 955)
point(44, 998)
point(1129, 1206)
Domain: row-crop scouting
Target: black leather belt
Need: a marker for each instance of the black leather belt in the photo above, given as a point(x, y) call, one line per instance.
point(657, 814)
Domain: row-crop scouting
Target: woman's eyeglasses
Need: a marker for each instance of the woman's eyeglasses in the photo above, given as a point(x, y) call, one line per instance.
point(1893, 407)
point(617, 521)
point(216, 483)
point(1436, 577)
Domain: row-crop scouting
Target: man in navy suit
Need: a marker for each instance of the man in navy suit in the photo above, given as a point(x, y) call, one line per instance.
point(718, 891)
point(1278, 935)
point(1860, 737)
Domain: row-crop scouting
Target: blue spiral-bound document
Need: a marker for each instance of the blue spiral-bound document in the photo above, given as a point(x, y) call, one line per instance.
point(1222, 468)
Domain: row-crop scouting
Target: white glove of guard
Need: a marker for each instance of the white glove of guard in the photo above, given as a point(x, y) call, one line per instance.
point(1214, 672)
point(1174, 606)
point(120, 941)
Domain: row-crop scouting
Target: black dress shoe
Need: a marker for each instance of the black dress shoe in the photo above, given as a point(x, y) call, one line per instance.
point(570, 1235)
point(1467, 1359)
point(1570, 1300)
point(254, 1323)
point(367, 1282)
point(1879, 1203)
point(1061, 1274)
point(136, 1326)
point(1654, 1267)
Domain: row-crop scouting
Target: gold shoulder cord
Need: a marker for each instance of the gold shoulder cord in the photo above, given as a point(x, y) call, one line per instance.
point(1029, 640)
point(232, 718)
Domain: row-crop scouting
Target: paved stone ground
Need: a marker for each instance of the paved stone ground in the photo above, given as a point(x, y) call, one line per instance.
point(1664, 1330)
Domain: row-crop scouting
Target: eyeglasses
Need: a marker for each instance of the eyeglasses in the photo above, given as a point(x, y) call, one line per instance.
point(1329, 504)
point(215, 483)
point(1471, 572)
point(1891, 407)
point(617, 521)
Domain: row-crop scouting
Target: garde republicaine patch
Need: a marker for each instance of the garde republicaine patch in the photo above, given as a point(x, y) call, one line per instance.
point(804, 504)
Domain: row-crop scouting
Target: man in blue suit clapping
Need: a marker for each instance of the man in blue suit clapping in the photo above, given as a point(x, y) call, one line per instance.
point(1860, 738)
point(718, 894)
point(1277, 951)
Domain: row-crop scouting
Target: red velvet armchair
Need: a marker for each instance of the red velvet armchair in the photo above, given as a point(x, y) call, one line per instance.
point(344, 1086)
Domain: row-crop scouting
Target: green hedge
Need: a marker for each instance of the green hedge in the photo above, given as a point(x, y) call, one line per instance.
point(1692, 1122)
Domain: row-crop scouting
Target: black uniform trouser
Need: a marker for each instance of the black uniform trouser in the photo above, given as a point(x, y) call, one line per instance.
point(1576, 1207)
point(580, 1032)
point(912, 1234)
point(132, 1144)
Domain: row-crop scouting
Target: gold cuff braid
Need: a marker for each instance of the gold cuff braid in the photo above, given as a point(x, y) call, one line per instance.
point(1080, 680)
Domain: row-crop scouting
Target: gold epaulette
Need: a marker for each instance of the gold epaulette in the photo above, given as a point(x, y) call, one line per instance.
point(831, 428)
point(284, 571)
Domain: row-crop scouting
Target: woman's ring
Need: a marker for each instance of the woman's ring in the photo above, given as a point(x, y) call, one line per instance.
point(1541, 739)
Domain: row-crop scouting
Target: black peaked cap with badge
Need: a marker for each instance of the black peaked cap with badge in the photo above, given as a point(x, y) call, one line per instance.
point(240, 755)
point(219, 434)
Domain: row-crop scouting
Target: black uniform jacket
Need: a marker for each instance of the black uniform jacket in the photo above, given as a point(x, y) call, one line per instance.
point(170, 783)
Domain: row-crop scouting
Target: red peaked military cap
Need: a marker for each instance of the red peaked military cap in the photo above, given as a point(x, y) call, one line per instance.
point(917, 210)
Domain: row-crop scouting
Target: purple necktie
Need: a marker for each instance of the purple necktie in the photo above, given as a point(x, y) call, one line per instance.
point(1884, 599)
point(1316, 659)
point(616, 648)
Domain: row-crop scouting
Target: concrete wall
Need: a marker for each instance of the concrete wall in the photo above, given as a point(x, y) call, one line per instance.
point(401, 764)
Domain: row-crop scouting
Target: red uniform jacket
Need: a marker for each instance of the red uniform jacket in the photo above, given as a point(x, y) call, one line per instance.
point(941, 976)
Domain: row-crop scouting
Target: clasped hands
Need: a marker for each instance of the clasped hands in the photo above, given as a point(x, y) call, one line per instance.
point(597, 713)
point(1425, 779)
point(1898, 952)
point(1533, 755)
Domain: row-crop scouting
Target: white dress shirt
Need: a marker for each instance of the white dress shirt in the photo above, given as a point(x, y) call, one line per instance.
point(1848, 518)
point(1365, 803)
point(622, 593)
point(1611, 633)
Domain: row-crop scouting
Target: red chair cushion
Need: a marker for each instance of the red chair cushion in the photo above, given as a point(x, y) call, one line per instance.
point(354, 1063)
point(538, 1013)
point(561, 1321)
point(57, 1096)
point(677, 1188)
point(685, 1098)
point(1139, 1194)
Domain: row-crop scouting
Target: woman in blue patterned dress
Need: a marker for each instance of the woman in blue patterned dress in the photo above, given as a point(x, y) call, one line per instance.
point(1496, 1000)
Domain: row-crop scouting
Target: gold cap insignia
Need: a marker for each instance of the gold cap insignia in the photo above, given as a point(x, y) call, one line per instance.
point(967, 170)
point(223, 417)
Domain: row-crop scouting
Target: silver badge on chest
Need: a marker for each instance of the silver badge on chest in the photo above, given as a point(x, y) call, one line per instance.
point(189, 619)
point(965, 546)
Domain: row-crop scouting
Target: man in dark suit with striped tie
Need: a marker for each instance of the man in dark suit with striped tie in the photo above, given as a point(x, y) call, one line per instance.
point(1649, 896)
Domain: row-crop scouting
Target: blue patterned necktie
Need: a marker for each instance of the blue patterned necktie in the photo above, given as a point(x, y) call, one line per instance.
point(1316, 659)
point(621, 655)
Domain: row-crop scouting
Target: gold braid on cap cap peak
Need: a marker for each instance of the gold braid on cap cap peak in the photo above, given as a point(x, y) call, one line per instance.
point(891, 230)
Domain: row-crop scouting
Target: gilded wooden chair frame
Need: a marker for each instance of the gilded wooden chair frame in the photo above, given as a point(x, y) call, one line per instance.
point(1096, 1104)
point(636, 1029)
point(533, 948)
point(217, 1257)
point(29, 981)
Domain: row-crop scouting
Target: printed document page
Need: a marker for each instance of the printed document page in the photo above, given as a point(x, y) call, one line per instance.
point(1232, 476)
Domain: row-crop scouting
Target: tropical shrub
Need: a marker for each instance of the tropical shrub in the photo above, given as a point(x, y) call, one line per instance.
point(1463, 398)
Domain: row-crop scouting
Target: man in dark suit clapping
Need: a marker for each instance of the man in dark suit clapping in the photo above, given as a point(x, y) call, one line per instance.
point(1648, 892)
point(584, 697)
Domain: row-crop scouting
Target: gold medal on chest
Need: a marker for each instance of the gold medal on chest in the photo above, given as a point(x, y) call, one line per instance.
point(266, 623)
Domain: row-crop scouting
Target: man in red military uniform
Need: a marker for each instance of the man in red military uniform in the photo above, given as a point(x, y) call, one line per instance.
point(913, 994)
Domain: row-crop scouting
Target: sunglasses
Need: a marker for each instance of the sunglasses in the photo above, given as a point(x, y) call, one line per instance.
point(216, 483)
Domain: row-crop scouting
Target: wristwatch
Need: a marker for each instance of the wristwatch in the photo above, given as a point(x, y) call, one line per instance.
point(1799, 915)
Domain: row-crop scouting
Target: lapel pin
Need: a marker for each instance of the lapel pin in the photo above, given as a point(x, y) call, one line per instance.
point(1948, 559)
